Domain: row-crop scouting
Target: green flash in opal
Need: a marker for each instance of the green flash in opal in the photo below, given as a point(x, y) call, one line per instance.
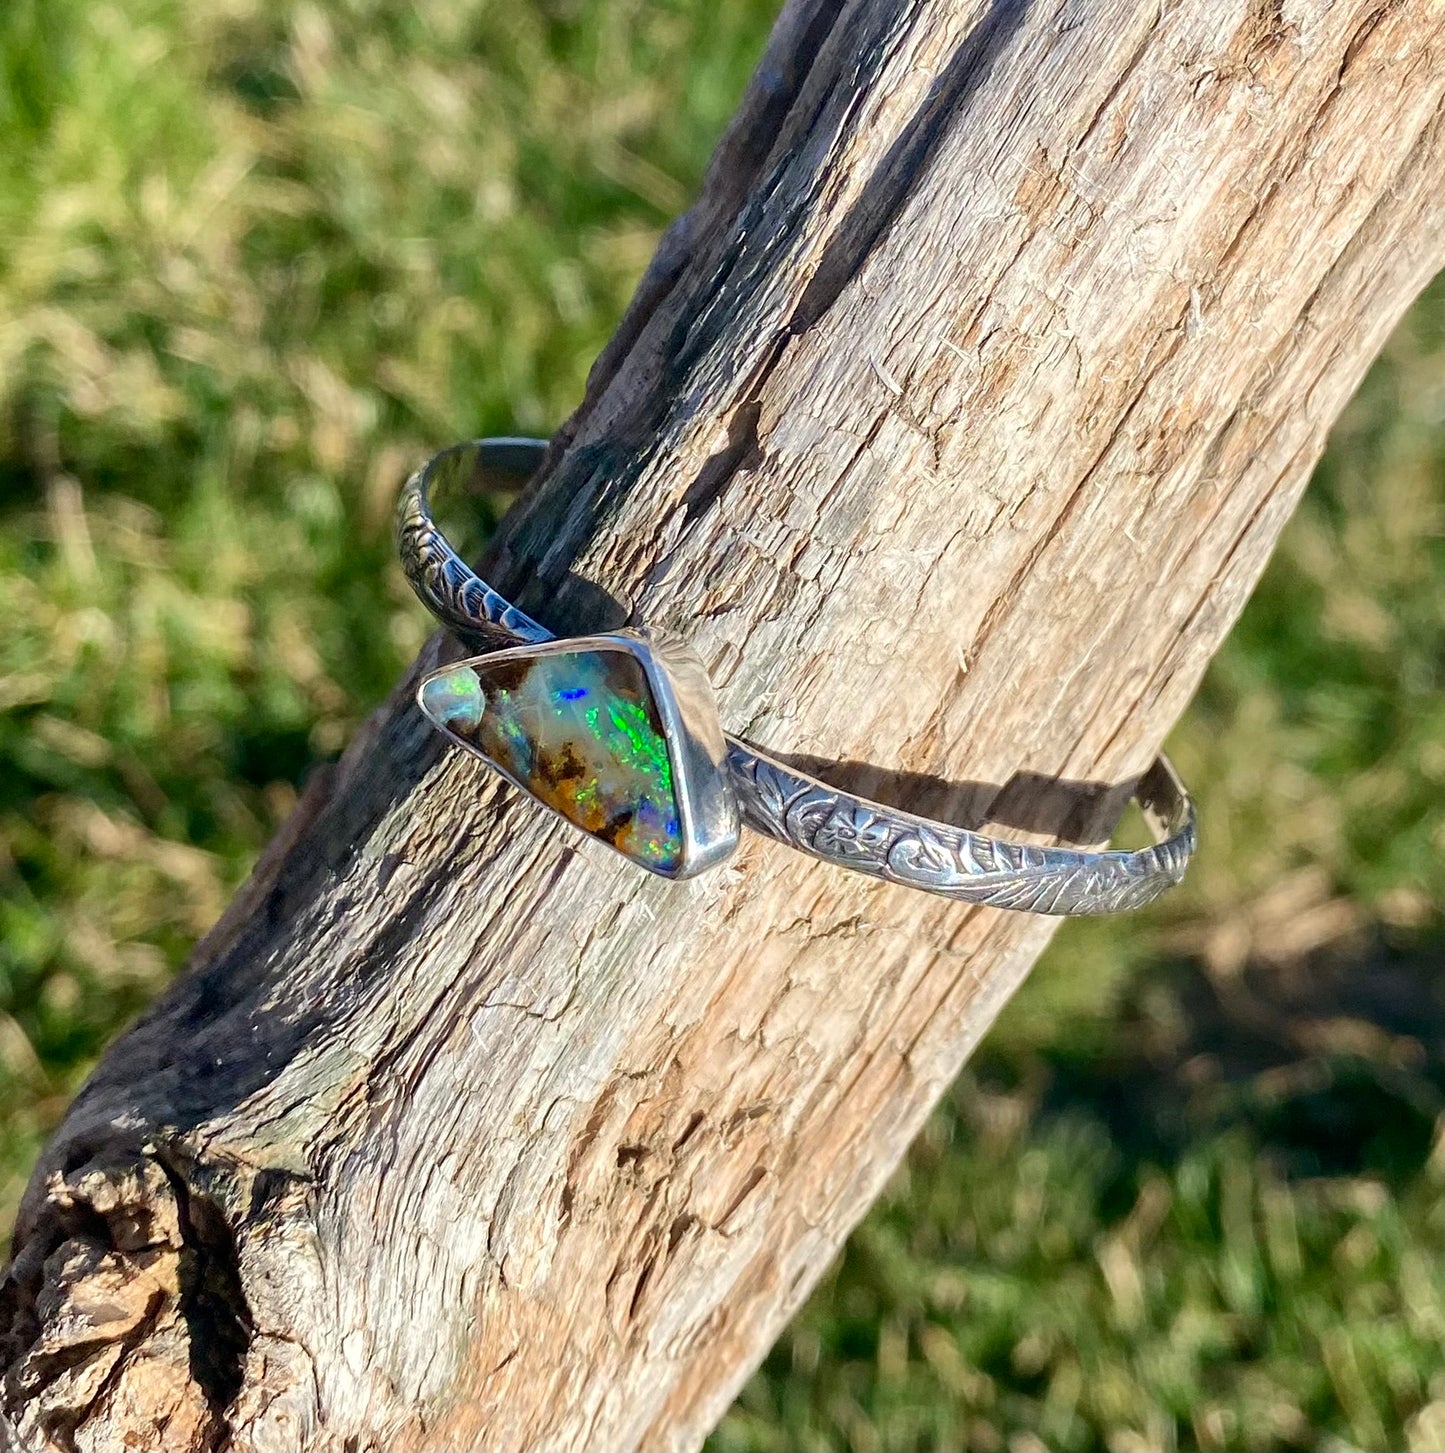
point(454, 698)
point(580, 731)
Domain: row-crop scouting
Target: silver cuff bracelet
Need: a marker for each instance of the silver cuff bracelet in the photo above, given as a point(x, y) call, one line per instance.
point(619, 734)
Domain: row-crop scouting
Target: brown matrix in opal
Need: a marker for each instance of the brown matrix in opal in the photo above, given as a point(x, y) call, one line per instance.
point(580, 731)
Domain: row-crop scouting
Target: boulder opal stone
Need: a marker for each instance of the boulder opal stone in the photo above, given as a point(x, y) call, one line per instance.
point(580, 731)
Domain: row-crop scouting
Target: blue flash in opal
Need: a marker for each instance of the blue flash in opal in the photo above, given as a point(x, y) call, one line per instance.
point(580, 730)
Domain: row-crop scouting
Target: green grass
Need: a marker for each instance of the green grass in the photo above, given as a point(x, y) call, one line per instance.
point(255, 260)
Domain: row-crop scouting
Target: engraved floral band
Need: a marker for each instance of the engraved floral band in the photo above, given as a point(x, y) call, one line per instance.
point(619, 734)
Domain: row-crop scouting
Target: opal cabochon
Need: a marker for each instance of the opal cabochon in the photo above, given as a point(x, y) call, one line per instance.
point(581, 731)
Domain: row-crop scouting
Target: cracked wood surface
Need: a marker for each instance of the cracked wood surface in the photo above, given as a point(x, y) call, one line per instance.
point(953, 426)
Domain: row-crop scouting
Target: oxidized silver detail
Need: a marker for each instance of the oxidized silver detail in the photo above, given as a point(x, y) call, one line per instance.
point(801, 811)
point(445, 583)
point(936, 857)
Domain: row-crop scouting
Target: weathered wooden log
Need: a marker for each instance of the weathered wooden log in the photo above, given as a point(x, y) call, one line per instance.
point(953, 426)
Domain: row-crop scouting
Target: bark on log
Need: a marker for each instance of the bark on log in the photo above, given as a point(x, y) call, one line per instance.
point(953, 426)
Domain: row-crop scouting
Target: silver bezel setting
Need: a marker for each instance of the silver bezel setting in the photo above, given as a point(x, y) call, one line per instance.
point(707, 806)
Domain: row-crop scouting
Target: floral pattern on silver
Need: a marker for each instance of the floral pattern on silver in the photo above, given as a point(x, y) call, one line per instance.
point(801, 811)
point(852, 832)
point(951, 861)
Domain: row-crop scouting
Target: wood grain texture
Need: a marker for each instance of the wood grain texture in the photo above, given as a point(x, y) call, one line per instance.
point(953, 427)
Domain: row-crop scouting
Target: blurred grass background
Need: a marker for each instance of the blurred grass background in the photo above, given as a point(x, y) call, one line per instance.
point(256, 259)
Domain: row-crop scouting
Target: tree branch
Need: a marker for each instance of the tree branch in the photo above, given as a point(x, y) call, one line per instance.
point(953, 426)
